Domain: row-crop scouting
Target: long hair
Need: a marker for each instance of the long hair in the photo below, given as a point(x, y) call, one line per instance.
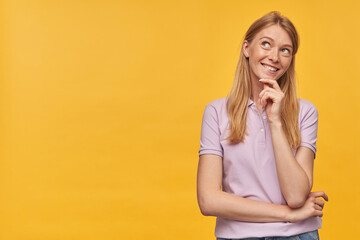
point(240, 93)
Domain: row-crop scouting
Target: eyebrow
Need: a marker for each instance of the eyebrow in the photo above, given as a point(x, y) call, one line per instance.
point(285, 45)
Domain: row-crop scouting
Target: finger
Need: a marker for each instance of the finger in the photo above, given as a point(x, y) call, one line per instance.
point(271, 82)
point(319, 194)
point(319, 213)
point(267, 86)
point(273, 96)
point(319, 202)
point(265, 98)
point(317, 207)
point(265, 90)
point(326, 197)
point(269, 97)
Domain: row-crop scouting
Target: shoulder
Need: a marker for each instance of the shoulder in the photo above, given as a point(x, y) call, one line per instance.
point(307, 111)
point(218, 103)
point(216, 110)
point(305, 104)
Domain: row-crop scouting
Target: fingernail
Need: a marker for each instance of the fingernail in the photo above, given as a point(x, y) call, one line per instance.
point(261, 79)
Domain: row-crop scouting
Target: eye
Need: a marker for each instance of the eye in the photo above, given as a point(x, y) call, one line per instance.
point(285, 50)
point(265, 44)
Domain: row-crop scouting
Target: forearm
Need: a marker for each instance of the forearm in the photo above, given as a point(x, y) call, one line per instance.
point(229, 206)
point(294, 182)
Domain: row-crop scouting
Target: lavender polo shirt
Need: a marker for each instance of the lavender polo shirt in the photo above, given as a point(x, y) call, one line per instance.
point(249, 168)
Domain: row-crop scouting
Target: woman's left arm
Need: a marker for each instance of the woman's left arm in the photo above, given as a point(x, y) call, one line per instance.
point(295, 173)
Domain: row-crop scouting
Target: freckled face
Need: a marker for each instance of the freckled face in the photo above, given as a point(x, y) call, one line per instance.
point(269, 53)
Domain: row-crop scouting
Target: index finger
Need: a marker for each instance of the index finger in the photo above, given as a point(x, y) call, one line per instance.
point(270, 82)
point(266, 85)
point(320, 194)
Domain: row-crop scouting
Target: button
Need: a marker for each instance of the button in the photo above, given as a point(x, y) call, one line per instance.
point(264, 117)
point(262, 130)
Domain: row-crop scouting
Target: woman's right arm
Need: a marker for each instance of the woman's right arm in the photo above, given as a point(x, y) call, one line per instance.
point(214, 202)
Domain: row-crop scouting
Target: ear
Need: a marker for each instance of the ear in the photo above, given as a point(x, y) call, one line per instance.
point(246, 48)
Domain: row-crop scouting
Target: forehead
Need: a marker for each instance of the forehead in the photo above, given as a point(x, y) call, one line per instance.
point(275, 32)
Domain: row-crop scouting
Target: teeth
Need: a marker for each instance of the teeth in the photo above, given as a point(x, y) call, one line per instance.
point(270, 68)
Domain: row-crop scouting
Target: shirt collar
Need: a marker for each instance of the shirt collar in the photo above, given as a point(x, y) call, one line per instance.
point(250, 102)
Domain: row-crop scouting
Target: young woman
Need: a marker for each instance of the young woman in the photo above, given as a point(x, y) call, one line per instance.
point(258, 145)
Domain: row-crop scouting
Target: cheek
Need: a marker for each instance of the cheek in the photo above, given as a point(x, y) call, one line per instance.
point(286, 64)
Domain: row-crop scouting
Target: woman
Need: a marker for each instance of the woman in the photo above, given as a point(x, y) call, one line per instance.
point(258, 145)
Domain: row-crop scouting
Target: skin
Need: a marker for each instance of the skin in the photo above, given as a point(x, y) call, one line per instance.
point(271, 47)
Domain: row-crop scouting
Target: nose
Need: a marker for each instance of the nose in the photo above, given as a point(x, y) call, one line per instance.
point(274, 55)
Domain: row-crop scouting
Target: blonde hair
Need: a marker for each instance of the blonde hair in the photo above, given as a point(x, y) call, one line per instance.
point(240, 93)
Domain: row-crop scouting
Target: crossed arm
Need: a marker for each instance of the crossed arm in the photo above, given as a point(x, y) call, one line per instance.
point(214, 202)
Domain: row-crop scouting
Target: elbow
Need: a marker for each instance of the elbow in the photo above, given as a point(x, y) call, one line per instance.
point(205, 207)
point(204, 210)
point(297, 202)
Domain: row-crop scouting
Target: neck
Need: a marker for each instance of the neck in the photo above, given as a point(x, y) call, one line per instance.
point(256, 88)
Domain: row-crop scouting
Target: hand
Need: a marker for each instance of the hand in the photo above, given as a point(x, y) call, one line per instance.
point(312, 208)
point(271, 99)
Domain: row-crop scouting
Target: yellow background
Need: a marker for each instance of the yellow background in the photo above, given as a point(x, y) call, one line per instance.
point(101, 105)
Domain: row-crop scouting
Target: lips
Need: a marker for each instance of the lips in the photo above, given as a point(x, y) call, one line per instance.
point(271, 68)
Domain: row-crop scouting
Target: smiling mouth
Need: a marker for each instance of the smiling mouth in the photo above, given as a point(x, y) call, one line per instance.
point(273, 69)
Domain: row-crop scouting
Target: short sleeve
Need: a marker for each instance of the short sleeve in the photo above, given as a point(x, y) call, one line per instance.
point(309, 127)
point(210, 133)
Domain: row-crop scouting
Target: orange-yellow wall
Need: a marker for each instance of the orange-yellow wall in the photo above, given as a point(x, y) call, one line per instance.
point(101, 105)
